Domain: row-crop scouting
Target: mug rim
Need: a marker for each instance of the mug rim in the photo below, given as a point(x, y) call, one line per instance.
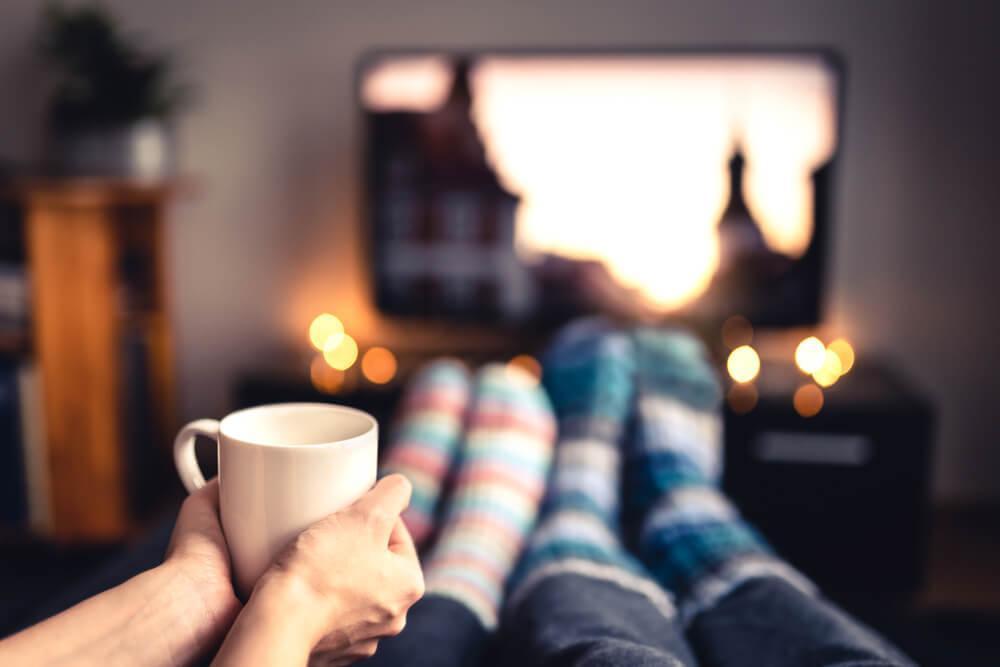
point(266, 407)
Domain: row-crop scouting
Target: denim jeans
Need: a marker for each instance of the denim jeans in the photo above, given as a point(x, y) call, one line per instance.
point(570, 619)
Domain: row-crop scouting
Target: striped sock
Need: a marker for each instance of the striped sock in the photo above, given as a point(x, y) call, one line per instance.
point(691, 537)
point(500, 482)
point(589, 374)
point(425, 439)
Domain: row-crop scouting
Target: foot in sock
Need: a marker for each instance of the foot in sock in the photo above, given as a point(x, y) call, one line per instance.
point(589, 376)
point(504, 464)
point(691, 538)
point(426, 437)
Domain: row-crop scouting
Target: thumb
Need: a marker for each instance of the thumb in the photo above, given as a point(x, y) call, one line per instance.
point(383, 504)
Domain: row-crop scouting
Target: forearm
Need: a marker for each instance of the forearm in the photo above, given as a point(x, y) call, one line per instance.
point(156, 618)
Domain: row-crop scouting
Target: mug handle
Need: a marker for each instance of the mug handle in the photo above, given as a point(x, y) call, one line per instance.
point(184, 457)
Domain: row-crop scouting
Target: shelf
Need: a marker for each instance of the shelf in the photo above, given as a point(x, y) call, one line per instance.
point(102, 346)
point(82, 191)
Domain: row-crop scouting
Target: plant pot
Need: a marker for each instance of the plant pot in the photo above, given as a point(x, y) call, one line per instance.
point(142, 151)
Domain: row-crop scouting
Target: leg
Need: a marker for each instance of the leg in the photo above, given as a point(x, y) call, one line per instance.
point(779, 624)
point(745, 605)
point(426, 437)
point(501, 477)
point(440, 632)
point(577, 598)
point(590, 619)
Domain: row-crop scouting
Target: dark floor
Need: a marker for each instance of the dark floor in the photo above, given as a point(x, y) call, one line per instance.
point(954, 622)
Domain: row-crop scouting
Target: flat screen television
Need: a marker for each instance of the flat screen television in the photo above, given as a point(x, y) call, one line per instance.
point(527, 187)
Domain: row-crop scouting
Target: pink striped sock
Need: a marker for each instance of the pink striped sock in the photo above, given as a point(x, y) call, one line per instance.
point(426, 438)
point(504, 466)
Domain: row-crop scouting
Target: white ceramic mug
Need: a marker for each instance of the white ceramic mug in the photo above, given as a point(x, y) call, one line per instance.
point(281, 468)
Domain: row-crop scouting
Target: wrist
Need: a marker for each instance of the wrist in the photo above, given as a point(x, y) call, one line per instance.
point(202, 577)
point(276, 626)
point(203, 608)
point(284, 600)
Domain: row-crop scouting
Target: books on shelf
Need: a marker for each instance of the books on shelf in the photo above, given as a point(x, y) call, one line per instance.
point(24, 480)
point(36, 472)
point(14, 307)
point(13, 483)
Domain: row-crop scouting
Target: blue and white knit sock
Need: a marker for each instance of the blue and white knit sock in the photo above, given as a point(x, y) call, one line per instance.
point(691, 538)
point(589, 374)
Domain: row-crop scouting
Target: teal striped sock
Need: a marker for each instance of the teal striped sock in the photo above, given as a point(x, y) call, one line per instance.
point(426, 437)
point(692, 539)
point(589, 374)
point(504, 464)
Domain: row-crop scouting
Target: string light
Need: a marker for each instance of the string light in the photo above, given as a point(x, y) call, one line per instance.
point(743, 364)
point(808, 400)
point(845, 352)
point(810, 354)
point(379, 365)
point(324, 378)
point(342, 354)
point(528, 363)
point(830, 371)
point(325, 330)
point(742, 398)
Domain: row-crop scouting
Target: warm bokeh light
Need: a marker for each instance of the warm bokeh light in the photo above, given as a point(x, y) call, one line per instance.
point(808, 400)
point(648, 140)
point(379, 365)
point(341, 355)
point(324, 378)
point(527, 363)
point(742, 398)
point(743, 364)
point(830, 371)
point(810, 354)
point(844, 352)
point(326, 329)
point(736, 331)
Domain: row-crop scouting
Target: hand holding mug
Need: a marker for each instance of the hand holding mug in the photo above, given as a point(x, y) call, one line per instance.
point(198, 556)
point(281, 469)
point(340, 586)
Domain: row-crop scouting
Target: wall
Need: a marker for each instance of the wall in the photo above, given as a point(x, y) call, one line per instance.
point(271, 234)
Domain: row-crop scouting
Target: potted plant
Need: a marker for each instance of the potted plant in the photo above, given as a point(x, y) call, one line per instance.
point(111, 102)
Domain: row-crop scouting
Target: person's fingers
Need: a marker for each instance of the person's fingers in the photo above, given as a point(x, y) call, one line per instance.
point(365, 649)
point(199, 516)
point(208, 494)
point(200, 506)
point(382, 505)
point(410, 575)
point(401, 542)
point(391, 493)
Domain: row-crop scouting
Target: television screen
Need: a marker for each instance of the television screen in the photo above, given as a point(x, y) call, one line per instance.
point(534, 186)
